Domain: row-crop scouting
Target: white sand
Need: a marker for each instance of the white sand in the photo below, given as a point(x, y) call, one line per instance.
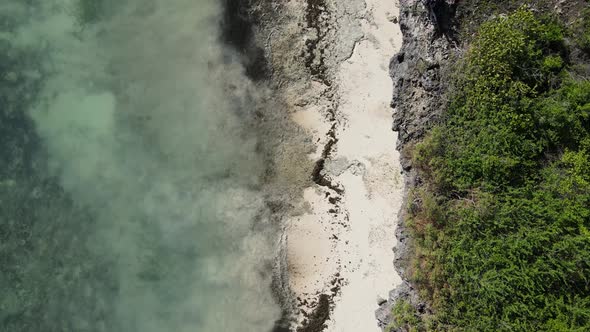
point(354, 241)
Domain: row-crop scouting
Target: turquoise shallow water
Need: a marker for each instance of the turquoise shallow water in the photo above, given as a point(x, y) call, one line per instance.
point(129, 179)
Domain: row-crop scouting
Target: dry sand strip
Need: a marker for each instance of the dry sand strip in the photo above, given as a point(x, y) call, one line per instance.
point(339, 250)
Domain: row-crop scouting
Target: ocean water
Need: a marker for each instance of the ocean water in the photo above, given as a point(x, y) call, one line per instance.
point(130, 182)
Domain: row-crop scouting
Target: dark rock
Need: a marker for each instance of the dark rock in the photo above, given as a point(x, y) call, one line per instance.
point(238, 32)
point(416, 71)
point(419, 89)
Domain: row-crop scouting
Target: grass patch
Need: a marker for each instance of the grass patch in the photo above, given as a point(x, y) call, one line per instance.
point(404, 316)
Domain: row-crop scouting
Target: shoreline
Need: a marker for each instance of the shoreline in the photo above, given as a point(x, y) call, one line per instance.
point(417, 72)
point(339, 237)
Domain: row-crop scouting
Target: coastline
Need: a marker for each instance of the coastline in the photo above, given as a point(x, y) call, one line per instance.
point(318, 54)
point(329, 64)
point(417, 72)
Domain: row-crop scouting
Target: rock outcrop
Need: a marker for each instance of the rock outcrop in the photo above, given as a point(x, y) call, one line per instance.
point(417, 69)
point(419, 88)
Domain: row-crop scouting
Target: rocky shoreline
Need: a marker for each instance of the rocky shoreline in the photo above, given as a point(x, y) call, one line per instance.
point(417, 72)
point(319, 53)
point(419, 87)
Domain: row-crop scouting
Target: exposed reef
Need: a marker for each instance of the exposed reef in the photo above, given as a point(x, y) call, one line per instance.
point(238, 32)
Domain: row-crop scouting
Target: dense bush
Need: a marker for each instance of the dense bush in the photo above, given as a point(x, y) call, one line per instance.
point(502, 220)
point(584, 31)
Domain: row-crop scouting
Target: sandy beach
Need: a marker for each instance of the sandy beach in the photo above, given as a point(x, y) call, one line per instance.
point(339, 249)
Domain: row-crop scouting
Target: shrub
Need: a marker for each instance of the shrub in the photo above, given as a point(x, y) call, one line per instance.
point(502, 221)
point(583, 39)
point(404, 316)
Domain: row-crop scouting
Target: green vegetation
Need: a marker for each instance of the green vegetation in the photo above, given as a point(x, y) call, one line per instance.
point(583, 39)
point(502, 221)
point(404, 317)
point(473, 12)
